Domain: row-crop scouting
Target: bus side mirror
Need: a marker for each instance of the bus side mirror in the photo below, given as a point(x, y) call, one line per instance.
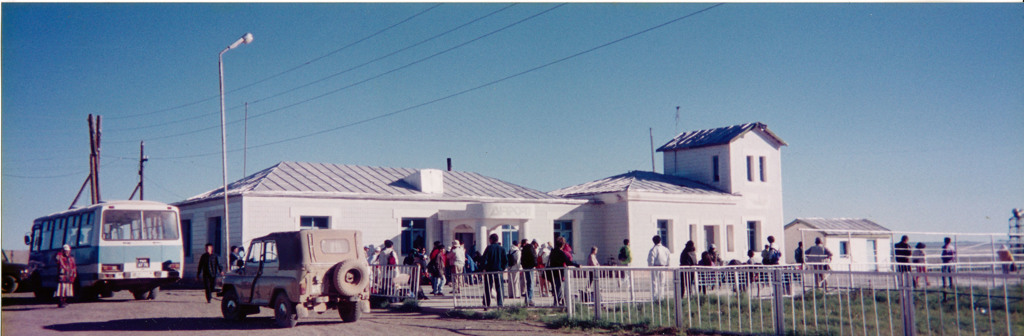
point(28, 240)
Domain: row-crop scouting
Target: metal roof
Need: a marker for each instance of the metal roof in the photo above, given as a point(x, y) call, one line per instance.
point(337, 180)
point(835, 226)
point(717, 136)
point(640, 181)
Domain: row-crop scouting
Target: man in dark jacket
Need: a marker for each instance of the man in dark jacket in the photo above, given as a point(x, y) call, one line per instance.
point(529, 261)
point(559, 259)
point(495, 260)
point(209, 269)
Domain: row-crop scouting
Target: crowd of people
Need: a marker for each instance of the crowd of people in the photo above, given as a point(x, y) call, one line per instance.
point(445, 266)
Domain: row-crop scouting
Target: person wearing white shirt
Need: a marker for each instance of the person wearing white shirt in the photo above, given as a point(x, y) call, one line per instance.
point(658, 257)
point(515, 265)
point(459, 263)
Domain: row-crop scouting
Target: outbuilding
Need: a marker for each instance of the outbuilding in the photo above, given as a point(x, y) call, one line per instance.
point(857, 244)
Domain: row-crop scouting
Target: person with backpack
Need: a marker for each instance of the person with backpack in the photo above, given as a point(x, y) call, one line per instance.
point(772, 255)
point(514, 283)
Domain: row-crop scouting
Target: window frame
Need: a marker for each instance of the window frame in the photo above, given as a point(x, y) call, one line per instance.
point(715, 166)
point(412, 228)
point(313, 222)
point(561, 227)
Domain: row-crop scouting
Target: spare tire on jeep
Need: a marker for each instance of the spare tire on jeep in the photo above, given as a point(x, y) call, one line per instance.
point(351, 276)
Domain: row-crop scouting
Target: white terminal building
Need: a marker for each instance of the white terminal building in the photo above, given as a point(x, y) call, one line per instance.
point(721, 186)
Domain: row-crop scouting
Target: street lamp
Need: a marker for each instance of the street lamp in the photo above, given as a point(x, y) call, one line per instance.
point(245, 39)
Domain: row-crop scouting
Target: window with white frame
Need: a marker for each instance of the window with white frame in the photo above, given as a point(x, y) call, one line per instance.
point(314, 222)
point(563, 228)
point(844, 249)
point(663, 231)
point(413, 229)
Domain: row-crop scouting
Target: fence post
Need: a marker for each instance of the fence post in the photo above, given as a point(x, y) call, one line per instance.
point(780, 327)
point(677, 292)
point(596, 294)
point(566, 289)
point(907, 294)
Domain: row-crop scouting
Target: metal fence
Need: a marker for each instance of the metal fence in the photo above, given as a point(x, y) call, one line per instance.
point(395, 282)
point(747, 299)
point(780, 300)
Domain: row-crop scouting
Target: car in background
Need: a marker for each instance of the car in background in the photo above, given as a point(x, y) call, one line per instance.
point(14, 275)
point(298, 273)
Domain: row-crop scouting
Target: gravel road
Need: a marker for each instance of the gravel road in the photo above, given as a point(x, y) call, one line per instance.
point(185, 312)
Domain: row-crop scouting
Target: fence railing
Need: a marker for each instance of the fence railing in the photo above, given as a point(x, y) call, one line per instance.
point(395, 281)
point(747, 299)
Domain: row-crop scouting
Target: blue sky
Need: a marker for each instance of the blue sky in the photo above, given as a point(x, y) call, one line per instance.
point(907, 114)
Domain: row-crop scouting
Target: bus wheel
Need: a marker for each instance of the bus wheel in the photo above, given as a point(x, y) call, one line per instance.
point(153, 293)
point(10, 284)
point(140, 294)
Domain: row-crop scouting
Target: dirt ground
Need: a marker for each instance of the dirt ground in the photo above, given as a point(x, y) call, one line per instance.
point(185, 312)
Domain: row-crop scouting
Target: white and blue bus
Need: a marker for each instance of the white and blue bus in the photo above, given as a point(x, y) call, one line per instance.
point(118, 245)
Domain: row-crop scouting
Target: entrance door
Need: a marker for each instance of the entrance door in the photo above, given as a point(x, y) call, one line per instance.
point(873, 254)
point(467, 240)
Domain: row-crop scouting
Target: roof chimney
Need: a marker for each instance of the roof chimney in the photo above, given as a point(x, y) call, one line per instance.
point(429, 181)
point(449, 164)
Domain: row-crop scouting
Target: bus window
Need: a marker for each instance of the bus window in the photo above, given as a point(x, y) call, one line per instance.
point(72, 232)
point(85, 230)
point(36, 235)
point(118, 224)
point(59, 226)
point(44, 244)
point(140, 225)
point(160, 225)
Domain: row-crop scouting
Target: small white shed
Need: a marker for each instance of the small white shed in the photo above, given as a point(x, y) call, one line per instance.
point(857, 244)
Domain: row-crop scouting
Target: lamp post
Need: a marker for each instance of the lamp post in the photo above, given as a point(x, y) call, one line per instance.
point(245, 39)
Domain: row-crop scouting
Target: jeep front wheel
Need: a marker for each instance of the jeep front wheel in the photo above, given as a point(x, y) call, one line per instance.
point(351, 277)
point(284, 312)
point(230, 307)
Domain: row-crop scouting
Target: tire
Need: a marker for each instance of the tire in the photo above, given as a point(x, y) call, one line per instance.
point(231, 307)
point(10, 284)
point(153, 293)
point(139, 294)
point(349, 311)
point(284, 312)
point(351, 277)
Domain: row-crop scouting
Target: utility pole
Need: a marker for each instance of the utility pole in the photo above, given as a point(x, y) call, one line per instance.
point(142, 160)
point(94, 164)
point(651, 132)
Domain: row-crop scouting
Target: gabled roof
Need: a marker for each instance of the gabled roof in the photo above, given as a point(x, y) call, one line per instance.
point(336, 180)
point(717, 136)
point(835, 226)
point(640, 181)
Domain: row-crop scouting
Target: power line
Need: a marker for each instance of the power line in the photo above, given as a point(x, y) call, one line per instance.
point(407, 65)
point(539, 67)
point(203, 100)
point(259, 100)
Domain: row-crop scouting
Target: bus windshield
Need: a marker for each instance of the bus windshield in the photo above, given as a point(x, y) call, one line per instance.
point(140, 225)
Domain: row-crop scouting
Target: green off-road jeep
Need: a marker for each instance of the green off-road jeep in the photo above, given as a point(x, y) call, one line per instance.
point(299, 272)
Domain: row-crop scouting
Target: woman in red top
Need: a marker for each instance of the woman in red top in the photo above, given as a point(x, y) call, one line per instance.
point(66, 278)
